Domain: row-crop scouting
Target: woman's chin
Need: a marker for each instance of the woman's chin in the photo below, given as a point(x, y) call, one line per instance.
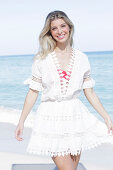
point(62, 41)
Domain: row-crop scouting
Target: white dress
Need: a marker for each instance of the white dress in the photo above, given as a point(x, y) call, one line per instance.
point(63, 124)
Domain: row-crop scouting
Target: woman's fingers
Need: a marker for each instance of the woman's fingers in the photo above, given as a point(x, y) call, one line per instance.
point(109, 124)
point(18, 134)
point(110, 127)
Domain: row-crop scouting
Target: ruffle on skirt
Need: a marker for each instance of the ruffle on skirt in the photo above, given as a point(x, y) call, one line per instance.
point(66, 127)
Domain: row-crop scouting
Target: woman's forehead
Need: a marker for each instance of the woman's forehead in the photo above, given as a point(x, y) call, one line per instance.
point(57, 21)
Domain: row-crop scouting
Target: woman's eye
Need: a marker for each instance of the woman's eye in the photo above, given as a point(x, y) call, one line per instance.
point(63, 25)
point(53, 28)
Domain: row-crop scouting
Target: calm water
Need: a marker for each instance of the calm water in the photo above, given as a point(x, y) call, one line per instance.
point(15, 69)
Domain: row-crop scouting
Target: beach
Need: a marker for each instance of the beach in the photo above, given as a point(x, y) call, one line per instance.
point(12, 153)
point(13, 92)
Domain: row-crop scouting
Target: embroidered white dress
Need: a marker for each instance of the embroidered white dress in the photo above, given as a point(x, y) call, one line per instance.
point(63, 124)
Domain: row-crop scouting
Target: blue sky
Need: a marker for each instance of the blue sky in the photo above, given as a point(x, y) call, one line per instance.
point(22, 20)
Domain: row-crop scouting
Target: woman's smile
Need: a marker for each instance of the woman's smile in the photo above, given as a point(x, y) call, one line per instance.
point(60, 30)
point(61, 36)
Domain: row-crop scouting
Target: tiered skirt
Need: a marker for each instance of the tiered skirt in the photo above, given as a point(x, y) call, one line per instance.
point(66, 127)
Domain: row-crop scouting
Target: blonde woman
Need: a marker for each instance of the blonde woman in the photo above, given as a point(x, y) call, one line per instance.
point(63, 126)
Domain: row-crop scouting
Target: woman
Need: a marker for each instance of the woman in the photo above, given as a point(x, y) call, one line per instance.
point(63, 126)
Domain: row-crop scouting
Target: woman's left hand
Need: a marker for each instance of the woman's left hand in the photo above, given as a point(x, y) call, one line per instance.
point(109, 124)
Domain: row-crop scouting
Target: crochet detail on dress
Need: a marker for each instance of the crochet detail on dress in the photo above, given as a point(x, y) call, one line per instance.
point(88, 83)
point(33, 84)
point(64, 76)
point(59, 118)
point(74, 149)
point(49, 153)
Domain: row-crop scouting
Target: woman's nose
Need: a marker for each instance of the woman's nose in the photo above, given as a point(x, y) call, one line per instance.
point(59, 30)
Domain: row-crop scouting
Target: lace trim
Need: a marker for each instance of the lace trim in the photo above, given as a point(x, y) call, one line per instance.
point(87, 74)
point(88, 83)
point(62, 127)
point(33, 84)
point(64, 76)
point(50, 153)
point(75, 148)
point(36, 79)
point(62, 153)
point(60, 118)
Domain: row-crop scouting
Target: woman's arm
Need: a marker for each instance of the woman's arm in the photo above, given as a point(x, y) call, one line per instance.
point(30, 100)
point(97, 105)
point(28, 104)
point(95, 102)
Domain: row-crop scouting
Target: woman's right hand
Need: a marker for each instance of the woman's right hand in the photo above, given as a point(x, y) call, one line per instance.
point(109, 124)
point(19, 131)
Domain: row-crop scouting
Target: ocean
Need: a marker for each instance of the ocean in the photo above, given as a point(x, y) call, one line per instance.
point(17, 68)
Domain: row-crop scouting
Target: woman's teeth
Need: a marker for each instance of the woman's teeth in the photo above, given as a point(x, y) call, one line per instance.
point(61, 36)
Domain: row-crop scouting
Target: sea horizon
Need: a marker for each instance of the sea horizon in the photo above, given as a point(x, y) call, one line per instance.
point(87, 52)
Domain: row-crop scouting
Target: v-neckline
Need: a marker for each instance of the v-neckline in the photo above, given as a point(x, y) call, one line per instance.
point(57, 63)
point(64, 87)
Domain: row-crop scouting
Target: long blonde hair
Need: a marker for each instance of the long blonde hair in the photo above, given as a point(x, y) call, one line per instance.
point(46, 42)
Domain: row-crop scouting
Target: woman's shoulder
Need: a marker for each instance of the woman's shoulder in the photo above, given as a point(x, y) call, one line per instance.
point(37, 59)
point(82, 57)
point(80, 53)
point(41, 58)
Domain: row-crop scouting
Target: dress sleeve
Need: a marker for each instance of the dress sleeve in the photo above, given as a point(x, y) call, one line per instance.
point(35, 81)
point(88, 81)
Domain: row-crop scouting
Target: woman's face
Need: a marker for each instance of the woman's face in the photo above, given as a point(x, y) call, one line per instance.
point(59, 30)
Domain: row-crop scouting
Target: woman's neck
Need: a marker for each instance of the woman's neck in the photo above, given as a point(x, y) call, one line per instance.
point(63, 48)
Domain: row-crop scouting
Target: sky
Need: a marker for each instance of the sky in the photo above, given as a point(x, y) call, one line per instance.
point(21, 22)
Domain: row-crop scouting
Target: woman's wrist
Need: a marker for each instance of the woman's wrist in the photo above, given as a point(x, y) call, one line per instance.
point(21, 121)
point(106, 117)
